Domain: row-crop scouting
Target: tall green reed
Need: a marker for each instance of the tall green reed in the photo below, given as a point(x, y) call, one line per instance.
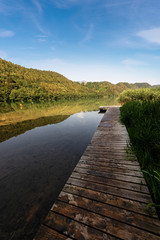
point(142, 120)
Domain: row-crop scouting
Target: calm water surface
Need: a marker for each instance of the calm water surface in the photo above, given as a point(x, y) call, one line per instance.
point(34, 167)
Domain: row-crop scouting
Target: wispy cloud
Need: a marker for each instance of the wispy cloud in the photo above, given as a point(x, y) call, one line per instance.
point(9, 7)
point(88, 35)
point(33, 12)
point(38, 6)
point(42, 40)
point(132, 62)
point(42, 36)
point(6, 33)
point(70, 3)
point(151, 35)
point(64, 3)
point(117, 3)
point(37, 22)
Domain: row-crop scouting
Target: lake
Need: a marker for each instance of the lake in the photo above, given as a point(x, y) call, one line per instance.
point(40, 146)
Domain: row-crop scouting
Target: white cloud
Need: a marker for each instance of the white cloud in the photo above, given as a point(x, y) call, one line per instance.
point(132, 62)
point(151, 35)
point(6, 33)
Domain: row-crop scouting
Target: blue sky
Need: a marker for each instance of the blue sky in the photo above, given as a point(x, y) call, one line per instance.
point(85, 40)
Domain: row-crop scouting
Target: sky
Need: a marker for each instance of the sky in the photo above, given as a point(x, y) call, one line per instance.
point(84, 40)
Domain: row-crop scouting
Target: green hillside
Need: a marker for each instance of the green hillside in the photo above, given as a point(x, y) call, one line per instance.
point(20, 84)
point(103, 88)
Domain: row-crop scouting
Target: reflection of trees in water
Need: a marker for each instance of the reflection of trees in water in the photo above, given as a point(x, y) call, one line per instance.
point(16, 118)
point(13, 130)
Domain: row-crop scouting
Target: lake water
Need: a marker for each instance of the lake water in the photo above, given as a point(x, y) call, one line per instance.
point(40, 146)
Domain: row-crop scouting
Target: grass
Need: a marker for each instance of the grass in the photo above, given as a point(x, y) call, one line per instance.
point(144, 94)
point(142, 119)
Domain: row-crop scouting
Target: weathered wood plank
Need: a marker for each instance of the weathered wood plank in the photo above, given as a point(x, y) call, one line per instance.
point(141, 197)
point(111, 182)
point(111, 164)
point(113, 175)
point(108, 156)
point(113, 212)
point(120, 202)
point(46, 233)
point(111, 170)
point(113, 150)
point(111, 160)
point(74, 229)
point(104, 224)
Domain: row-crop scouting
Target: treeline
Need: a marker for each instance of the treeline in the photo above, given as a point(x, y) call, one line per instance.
point(113, 89)
point(141, 115)
point(20, 84)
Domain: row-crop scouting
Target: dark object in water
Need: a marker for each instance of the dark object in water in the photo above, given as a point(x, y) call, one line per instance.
point(103, 109)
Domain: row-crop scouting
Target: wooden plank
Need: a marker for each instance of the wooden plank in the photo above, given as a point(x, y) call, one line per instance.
point(74, 229)
point(46, 233)
point(111, 160)
point(120, 202)
point(104, 224)
point(113, 212)
point(108, 156)
point(111, 182)
point(141, 197)
point(107, 152)
point(125, 178)
point(113, 150)
point(111, 170)
point(111, 164)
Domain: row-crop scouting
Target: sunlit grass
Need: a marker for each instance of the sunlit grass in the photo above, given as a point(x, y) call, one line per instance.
point(144, 94)
point(142, 120)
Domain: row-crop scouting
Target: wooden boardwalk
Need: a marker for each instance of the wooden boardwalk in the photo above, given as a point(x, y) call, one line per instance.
point(106, 195)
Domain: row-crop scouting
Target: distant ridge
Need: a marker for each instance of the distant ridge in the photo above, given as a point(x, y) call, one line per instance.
point(20, 84)
point(156, 86)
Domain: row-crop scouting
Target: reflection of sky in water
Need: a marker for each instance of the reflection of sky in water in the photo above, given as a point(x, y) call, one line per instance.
point(77, 127)
point(80, 115)
point(35, 165)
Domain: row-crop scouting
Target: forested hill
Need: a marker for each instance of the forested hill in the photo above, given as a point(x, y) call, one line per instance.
point(113, 89)
point(22, 84)
point(19, 83)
